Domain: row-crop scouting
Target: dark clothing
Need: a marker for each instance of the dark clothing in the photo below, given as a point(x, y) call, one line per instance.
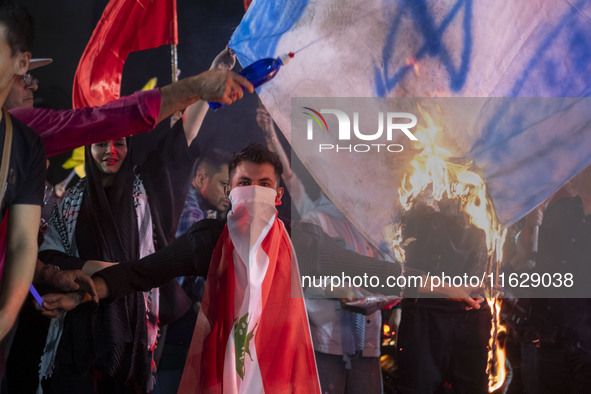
point(336, 378)
point(22, 366)
point(180, 331)
point(440, 343)
point(24, 185)
point(26, 174)
point(177, 339)
point(443, 346)
point(443, 244)
point(109, 346)
point(187, 255)
point(557, 340)
point(556, 370)
point(564, 246)
point(22, 375)
point(191, 253)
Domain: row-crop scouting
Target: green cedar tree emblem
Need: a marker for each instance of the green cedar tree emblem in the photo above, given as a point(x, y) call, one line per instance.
point(242, 338)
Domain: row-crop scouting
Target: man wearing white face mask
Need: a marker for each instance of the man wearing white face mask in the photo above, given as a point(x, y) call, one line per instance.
point(243, 321)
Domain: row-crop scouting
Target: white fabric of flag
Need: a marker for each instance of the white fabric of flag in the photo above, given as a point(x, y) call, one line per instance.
point(427, 48)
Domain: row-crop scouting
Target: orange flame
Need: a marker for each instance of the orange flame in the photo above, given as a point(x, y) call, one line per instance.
point(496, 354)
point(432, 169)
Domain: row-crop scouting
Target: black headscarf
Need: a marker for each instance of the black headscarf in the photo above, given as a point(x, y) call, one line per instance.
point(107, 225)
point(114, 339)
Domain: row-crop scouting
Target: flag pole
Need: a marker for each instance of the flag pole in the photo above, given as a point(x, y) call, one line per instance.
point(175, 70)
point(174, 62)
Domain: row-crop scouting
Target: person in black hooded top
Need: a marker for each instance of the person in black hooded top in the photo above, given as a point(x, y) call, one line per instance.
point(108, 216)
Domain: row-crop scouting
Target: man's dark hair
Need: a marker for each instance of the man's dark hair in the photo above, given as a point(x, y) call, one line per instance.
point(258, 154)
point(213, 160)
point(19, 26)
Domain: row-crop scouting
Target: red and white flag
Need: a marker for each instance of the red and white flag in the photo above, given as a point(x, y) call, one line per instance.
point(252, 333)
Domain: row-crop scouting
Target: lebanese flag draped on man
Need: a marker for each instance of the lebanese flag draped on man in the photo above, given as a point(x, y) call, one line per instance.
point(125, 26)
point(252, 334)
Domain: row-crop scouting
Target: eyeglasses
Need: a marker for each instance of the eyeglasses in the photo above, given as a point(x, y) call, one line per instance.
point(29, 80)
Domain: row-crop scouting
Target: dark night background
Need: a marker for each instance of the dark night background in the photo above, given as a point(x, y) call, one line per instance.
point(63, 27)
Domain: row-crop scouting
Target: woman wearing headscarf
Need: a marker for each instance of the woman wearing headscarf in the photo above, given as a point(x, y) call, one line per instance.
point(121, 210)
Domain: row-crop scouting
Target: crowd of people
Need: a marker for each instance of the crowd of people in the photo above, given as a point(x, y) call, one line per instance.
point(123, 259)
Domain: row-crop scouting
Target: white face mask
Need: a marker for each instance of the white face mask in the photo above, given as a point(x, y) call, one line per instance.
point(254, 199)
point(253, 209)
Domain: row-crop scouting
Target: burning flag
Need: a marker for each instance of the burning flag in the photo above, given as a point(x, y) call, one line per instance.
point(452, 187)
point(460, 48)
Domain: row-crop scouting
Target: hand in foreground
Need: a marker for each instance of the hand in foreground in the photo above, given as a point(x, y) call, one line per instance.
point(471, 295)
point(55, 304)
point(60, 188)
point(222, 86)
point(535, 217)
point(74, 280)
point(344, 301)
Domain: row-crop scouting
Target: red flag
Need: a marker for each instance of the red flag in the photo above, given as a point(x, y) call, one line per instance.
point(252, 333)
point(124, 27)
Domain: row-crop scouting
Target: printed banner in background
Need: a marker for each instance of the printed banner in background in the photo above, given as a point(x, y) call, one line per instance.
point(422, 48)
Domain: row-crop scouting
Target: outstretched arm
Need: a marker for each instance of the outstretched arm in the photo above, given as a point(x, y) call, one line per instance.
point(222, 86)
point(21, 255)
point(195, 113)
point(188, 255)
point(139, 113)
point(191, 253)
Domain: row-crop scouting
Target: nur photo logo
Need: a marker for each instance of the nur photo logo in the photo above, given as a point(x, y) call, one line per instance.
point(387, 127)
